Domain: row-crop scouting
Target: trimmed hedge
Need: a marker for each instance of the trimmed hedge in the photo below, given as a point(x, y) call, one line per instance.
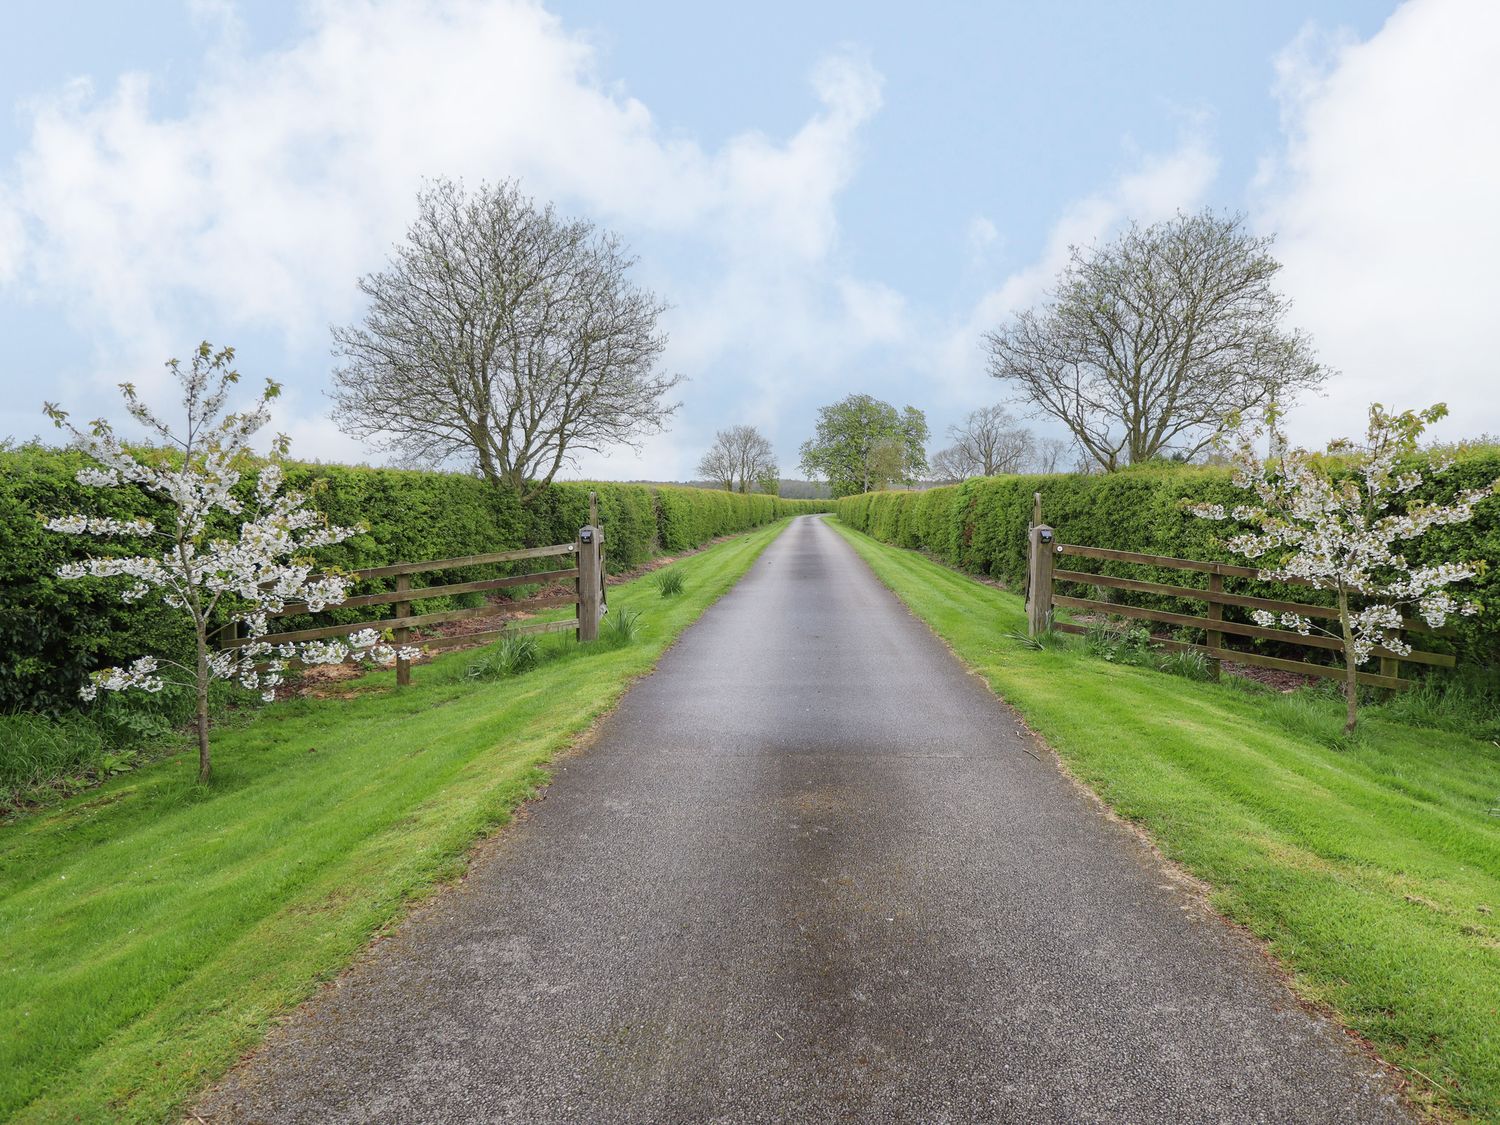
point(981, 526)
point(52, 633)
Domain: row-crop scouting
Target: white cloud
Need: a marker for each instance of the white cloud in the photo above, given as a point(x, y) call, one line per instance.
point(292, 172)
point(1384, 200)
point(11, 238)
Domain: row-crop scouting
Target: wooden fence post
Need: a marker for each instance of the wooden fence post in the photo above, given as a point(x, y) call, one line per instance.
point(590, 583)
point(1039, 593)
point(401, 634)
point(1390, 666)
point(1215, 613)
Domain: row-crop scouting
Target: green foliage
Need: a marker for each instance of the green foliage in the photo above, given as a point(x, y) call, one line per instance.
point(43, 746)
point(621, 627)
point(47, 756)
point(1126, 642)
point(511, 655)
point(53, 633)
point(669, 582)
point(1186, 663)
point(981, 526)
point(863, 444)
point(689, 517)
point(1467, 703)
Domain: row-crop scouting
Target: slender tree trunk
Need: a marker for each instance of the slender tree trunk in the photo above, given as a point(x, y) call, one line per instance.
point(1351, 669)
point(204, 765)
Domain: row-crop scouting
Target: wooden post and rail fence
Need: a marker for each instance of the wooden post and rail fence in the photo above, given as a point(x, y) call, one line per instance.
point(1044, 573)
point(585, 569)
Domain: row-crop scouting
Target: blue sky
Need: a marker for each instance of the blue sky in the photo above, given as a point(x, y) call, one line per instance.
point(835, 197)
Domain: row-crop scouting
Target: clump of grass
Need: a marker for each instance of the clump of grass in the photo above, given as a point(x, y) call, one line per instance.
point(1316, 713)
point(1038, 643)
point(1119, 642)
point(1465, 701)
point(1188, 664)
point(622, 627)
point(44, 756)
point(512, 655)
point(669, 582)
point(37, 747)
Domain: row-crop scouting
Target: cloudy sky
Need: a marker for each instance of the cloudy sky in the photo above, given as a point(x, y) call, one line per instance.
point(834, 197)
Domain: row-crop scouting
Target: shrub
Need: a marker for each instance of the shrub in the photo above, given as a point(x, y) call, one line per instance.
point(1186, 663)
point(1120, 642)
point(38, 747)
point(621, 627)
point(511, 655)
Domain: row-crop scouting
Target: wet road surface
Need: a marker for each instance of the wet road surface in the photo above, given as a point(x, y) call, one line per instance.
point(807, 872)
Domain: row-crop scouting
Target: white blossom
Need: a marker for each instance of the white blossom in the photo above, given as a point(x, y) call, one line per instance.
point(246, 574)
point(1343, 532)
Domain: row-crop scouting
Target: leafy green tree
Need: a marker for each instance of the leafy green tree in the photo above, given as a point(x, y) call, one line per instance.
point(864, 445)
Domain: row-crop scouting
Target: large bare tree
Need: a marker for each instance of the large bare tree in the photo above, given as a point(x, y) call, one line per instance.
point(987, 442)
point(1151, 341)
point(1049, 453)
point(504, 336)
point(741, 459)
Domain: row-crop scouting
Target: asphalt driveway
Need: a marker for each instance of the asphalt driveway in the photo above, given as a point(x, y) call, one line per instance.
point(808, 871)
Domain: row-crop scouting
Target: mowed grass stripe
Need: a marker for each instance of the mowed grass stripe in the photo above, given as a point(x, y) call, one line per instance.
point(1373, 872)
point(150, 931)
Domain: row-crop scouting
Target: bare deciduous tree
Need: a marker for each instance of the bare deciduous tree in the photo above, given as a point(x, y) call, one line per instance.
point(950, 465)
point(987, 442)
point(1049, 454)
point(1150, 341)
point(503, 335)
point(741, 459)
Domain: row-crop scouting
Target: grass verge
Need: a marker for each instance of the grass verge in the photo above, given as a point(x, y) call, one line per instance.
point(152, 929)
point(1373, 871)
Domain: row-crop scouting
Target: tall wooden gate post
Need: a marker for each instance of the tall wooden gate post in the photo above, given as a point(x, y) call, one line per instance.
point(1039, 593)
point(590, 582)
point(401, 634)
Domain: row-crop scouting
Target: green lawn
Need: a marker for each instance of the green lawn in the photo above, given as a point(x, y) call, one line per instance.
point(1373, 871)
point(152, 929)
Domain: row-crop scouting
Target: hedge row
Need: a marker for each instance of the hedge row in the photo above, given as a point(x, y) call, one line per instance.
point(52, 633)
point(981, 526)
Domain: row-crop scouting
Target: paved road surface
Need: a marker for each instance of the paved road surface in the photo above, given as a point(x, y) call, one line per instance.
point(808, 873)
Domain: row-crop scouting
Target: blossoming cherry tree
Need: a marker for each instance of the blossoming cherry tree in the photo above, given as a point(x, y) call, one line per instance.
point(1337, 522)
point(220, 559)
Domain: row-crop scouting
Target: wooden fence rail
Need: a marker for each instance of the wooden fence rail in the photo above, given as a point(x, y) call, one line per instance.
point(587, 596)
point(1042, 597)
